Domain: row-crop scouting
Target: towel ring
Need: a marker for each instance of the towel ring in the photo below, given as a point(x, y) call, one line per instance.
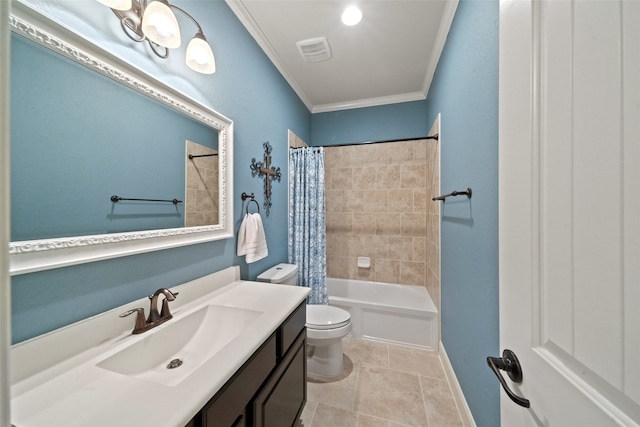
point(246, 196)
point(254, 201)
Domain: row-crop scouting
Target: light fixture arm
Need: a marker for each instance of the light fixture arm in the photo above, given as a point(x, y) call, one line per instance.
point(188, 16)
point(131, 23)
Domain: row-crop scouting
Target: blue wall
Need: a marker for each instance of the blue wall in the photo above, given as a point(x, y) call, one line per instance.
point(465, 91)
point(381, 123)
point(248, 89)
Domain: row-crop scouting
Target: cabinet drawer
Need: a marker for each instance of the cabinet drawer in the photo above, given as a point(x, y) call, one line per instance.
point(229, 404)
point(291, 328)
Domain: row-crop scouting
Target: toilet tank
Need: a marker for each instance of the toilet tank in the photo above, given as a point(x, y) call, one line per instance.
point(284, 274)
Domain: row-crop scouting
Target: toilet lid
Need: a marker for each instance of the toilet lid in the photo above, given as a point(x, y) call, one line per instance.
point(326, 317)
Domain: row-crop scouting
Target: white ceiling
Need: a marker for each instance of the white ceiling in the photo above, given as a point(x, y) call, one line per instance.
point(389, 57)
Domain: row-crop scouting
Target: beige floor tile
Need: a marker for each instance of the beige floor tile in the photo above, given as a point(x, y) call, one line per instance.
point(392, 395)
point(339, 392)
point(366, 352)
point(415, 361)
point(439, 404)
point(369, 421)
point(328, 416)
point(307, 413)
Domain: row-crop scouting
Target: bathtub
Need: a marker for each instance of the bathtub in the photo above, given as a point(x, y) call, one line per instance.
point(399, 314)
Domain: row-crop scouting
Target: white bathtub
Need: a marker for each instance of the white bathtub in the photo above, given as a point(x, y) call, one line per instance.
point(400, 314)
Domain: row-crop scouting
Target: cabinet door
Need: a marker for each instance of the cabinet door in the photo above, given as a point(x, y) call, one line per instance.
point(282, 399)
point(227, 408)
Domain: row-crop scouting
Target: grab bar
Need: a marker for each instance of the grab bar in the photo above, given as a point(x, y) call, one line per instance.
point(116, 199)
point(453, 194)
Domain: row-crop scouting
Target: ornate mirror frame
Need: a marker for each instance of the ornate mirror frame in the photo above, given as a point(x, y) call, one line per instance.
point(36, 255)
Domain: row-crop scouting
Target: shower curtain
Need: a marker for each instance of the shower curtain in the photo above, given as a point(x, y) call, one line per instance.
point(307, 240)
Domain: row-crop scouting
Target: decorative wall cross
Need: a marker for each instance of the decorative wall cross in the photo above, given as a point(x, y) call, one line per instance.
point(266, 171)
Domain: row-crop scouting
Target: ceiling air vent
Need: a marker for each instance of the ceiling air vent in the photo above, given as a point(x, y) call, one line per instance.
point(314, 50)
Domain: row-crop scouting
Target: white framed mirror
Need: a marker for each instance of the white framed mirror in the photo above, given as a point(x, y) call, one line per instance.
point(47, 249)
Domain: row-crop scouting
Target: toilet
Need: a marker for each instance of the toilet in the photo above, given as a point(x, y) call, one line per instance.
point(326, 326)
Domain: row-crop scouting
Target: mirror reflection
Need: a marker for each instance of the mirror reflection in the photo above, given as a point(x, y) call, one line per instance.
point(78, 138)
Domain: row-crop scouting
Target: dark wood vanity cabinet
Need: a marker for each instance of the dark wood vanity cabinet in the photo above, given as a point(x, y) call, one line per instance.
point(283, 396)
point(270, 389)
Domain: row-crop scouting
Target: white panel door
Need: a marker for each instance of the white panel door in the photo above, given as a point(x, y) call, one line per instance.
point(570, 210)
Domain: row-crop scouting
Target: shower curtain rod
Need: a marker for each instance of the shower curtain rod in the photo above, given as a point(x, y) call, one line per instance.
point(436, 137)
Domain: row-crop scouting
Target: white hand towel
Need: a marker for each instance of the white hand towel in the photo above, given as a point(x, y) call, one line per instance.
point(251, 239)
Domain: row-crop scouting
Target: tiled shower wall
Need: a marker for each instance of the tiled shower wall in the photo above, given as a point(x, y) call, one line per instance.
point(379, 205)
point(202, 194)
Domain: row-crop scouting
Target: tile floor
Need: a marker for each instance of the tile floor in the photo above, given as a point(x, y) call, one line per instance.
point(383, 385)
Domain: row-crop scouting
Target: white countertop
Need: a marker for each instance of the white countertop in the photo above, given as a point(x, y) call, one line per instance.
point(55, 380)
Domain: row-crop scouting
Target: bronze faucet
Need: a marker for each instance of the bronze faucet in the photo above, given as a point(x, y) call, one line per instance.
point(154, 318)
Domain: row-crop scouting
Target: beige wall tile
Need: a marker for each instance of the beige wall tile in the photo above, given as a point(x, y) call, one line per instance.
point(376, 201)
point(332, 158)
point(420, 148)
point(387, 177)
point(432, 259)
point(402, 152)
point(353, 156)
point(401, 200)
point(412, 176)
point(363, 223)
point(419, 249)
point(367, 274)
point(333, 200)
point(433, 287)
point(387, 271)
point(201, 198)
point(341, 178)
point(354, 200)
point(375, 246)
point(420, 200)
point(380, 193)
point(401, 248)
point(413, 224)
point(334, 244)
point(375, 154)
point(388, 224)
point(413, 273)
point(339, 223)
point(364, 178)
point(353, 244)
point(339, 266)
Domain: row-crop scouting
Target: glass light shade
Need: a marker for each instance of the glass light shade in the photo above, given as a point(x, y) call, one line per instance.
point(351, 16)
point(117, 4)
point(200, 56)
point(160, 25)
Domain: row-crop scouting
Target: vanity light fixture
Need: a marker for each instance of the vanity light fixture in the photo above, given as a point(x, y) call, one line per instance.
point(351, 16)
point(155, 23)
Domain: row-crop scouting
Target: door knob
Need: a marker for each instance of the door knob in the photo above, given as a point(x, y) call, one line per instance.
point(509, 363)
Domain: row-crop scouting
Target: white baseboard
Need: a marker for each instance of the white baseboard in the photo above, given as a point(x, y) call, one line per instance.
point(458, 396)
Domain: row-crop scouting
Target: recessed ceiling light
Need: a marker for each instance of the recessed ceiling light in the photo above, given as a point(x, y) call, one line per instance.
point(351, 16)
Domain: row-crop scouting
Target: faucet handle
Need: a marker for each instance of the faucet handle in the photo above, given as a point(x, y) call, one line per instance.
point(165, 312)
point(167, 294)
point(141, 323)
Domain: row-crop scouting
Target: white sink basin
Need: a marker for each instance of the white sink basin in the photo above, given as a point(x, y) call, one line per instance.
point(192, 339)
